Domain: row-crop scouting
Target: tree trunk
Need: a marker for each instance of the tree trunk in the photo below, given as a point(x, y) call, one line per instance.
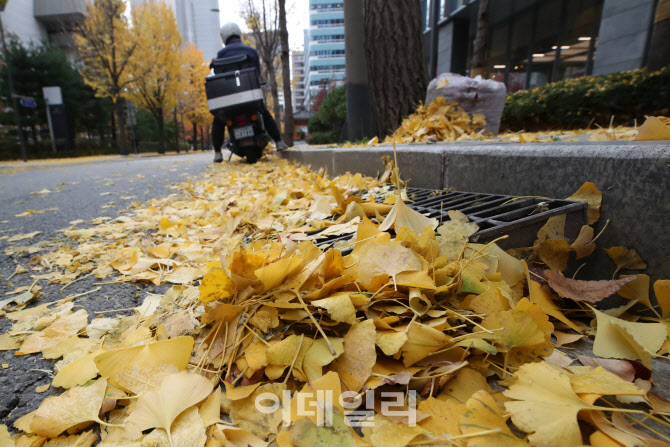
point(176, 130)
point(272, 81)
point(286, 75)
point(202, 137)
point(115, 137)
point(659, 50)
point(395, 60)
point(161, 132)
point(195, 136)
point(123, 144)
point(480, 44)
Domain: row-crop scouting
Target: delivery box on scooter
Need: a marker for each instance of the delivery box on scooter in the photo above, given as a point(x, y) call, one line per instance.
point(233, 87)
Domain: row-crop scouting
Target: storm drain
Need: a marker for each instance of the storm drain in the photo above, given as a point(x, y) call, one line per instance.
point(496, 215)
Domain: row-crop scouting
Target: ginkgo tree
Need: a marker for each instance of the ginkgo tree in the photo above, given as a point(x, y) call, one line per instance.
point(108, 47)
point(191, 97)
point(155, 69)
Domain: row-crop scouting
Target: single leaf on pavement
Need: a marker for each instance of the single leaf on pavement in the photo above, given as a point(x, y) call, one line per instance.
point(616, 338)
point(625, 258)
point(590, 194)
point(402, 216)
point(58, 413)
point(483, 415)
point(159, 407)
point(132, 368)
point(216, 285)
point(600, 381)
point(589, 291)
point(545, 405)
point(355, 365)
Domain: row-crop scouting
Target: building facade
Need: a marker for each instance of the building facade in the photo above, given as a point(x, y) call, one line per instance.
point(38, 21)
point(533, 42)
point(298, 78)
point(198, 22)
point(324, 46)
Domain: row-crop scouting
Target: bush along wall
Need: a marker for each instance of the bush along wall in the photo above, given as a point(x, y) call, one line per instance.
point(576, 103)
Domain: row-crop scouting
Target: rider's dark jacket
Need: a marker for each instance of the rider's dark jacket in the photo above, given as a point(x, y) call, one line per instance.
point(235, 47)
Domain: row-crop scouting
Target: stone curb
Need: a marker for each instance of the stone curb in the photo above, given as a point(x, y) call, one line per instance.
point(634, 177)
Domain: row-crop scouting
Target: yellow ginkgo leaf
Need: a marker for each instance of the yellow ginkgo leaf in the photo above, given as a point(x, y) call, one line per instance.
point(601, 381)
point(653, 128)
point(187, 430)
point(58, 413)
point(545, 405)
point(139, 368)
point(590, 194)
point(339, 307)
point(223, 312)
point(421, 341)
point(319, 355)
point(622, 339)
point(255, 355)
point(402, 216)
point(5, 438)
point(86, 439)
point(210, 410)
point(462, 387)
point(285, 353)
point(384, 259)
point(385, 433)
point(274, 274)
point(637, 289)
point(77, 372)
point(326, 387)
point(245, 413)
point(239, 392)
point(662, 292)
point(541, 295)
point(62, 329)
point(483, 415)
point(444, 416)
point(159, 407)
point(390, 342)
point(240, 437)
point(625, 258)
point(355, 365)
point(305, 433)
point(216, 285)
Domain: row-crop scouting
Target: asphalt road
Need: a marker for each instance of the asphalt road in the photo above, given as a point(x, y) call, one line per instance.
point(71, 190)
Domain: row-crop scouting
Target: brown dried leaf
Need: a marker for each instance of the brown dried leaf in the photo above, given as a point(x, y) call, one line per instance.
point(589, 291)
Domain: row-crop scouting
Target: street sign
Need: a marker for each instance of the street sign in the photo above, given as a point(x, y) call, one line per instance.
point(28, 102)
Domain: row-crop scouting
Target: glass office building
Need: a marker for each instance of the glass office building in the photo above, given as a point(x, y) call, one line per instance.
point(533, 42)
point(324, 46)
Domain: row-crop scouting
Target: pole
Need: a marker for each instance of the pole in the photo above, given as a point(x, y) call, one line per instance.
point(359, 108)
point(17, 115)
point(434, 37)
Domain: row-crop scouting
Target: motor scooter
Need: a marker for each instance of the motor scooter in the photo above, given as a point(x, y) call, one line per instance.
point(235, 98)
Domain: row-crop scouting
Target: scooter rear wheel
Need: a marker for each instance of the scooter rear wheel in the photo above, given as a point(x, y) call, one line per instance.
point(253, 155)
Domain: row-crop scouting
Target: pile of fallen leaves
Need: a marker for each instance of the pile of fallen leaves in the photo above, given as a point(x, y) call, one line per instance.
point(438, 121)
point(467, 335)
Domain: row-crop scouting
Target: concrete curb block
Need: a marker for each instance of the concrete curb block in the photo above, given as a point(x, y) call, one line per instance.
point(634, 178)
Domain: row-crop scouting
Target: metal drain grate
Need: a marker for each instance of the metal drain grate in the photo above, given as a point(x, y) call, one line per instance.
point(496, 215)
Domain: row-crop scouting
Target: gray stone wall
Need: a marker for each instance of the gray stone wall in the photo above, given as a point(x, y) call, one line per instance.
point(623, 35)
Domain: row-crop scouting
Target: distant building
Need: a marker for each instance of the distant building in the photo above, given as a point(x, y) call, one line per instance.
point(198, 22)
point(324, 46)
point(298, 78)
point(40, 21)
point(534, 42)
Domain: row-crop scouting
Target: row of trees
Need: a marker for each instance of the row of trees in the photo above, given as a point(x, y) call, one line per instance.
point(143, 62)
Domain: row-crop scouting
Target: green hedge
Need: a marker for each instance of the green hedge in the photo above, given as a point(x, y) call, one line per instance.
point(576, 103)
